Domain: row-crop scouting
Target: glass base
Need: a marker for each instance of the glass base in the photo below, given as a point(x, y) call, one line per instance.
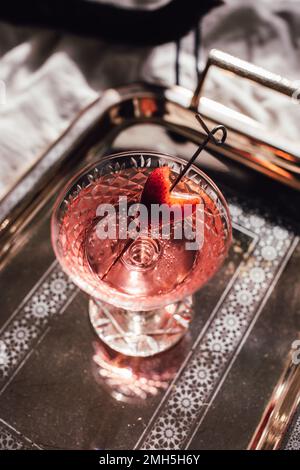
point(141, 334)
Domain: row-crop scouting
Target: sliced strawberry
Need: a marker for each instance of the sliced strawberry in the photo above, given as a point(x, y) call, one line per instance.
point(157, 190)
point(182, 198)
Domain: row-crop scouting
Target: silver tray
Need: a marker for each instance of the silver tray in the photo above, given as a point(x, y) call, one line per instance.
point(61, 388)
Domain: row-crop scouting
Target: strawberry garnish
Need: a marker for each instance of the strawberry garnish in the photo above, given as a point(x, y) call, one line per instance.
point(157, 190)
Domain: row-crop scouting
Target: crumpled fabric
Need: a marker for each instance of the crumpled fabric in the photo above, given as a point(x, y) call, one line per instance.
point(48, 77)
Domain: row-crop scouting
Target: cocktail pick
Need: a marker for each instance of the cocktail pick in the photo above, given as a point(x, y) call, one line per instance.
point(209, 137)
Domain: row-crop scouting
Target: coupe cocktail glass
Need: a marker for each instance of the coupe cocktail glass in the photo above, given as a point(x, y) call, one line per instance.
point(140, 289)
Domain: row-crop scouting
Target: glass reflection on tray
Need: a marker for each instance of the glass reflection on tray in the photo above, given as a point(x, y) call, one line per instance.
point(132, 379)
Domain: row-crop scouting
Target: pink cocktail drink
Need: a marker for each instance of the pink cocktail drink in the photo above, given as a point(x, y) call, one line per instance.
point(140, 286)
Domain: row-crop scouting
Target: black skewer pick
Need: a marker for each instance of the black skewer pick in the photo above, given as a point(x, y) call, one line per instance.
point(209, 137)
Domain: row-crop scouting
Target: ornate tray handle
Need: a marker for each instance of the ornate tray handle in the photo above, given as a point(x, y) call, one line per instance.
point(247, 70)
point(271, 154)
point(281, 407)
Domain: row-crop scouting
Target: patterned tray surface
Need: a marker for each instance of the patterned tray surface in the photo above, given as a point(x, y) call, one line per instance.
point(207, 392)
